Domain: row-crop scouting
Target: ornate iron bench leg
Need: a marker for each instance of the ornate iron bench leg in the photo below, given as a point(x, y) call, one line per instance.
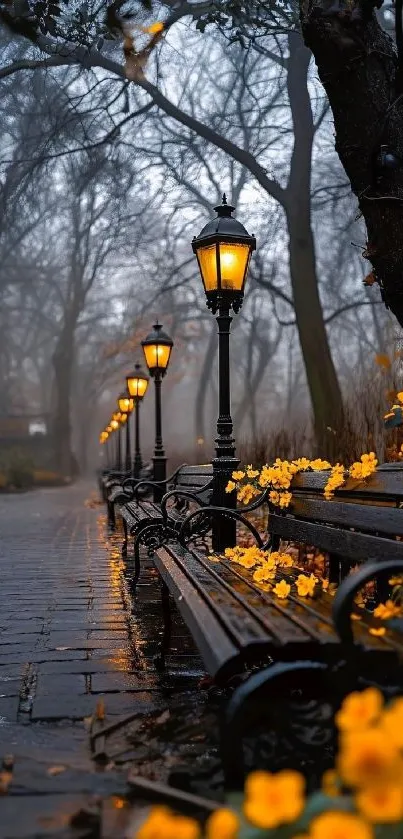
point(159, 660)
point(124, 546)
point(282, 675)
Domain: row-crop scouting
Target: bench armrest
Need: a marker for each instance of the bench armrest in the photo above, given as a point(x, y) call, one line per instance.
point(192, 495)
point(136, 483)
point(226, 513)
point(344, 598)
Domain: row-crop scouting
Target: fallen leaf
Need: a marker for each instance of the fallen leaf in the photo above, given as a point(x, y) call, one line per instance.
point(100, 710)
point(56, 770)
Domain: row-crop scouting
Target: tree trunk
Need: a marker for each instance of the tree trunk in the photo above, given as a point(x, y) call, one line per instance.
point(63, 357)
point(202, 388)
point(357, 65)
point(320, 371)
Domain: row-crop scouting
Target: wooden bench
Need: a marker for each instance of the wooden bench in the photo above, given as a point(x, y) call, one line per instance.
point(237, 626)
point(153, 523)
point(119, 487)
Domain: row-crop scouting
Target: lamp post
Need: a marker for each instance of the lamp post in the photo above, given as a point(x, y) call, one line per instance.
point(137, 384)
point(118, 449)
point(157, 347)
point(126, 406)
point(223, 250)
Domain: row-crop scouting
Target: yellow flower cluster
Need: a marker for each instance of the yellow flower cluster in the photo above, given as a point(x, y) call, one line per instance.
point(365, 467)
point(267, 566)
point(279, 475)
point(366, 785)
point(388, 610)
point(335, 481)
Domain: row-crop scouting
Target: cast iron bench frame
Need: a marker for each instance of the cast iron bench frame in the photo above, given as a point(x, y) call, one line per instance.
point(222, 607)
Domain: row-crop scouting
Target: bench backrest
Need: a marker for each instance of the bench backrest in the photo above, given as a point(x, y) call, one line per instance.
point(361, 521)
point(194, 478)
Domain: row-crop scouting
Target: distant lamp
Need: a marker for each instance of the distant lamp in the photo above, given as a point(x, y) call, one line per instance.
point(114, 424)
point(223, 250)
point(137, 382)
point(157, 348)
point(125, 403)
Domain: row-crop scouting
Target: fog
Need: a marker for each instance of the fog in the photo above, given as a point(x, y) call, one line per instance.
point(102, 189)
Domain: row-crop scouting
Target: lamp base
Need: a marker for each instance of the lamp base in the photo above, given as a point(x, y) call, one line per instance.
point(223, 530)
point(159, 474)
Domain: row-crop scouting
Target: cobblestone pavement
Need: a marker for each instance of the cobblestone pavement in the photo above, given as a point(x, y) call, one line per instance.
point(71, 637)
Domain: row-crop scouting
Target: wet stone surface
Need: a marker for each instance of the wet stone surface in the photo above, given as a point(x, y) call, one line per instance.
point(74, 639)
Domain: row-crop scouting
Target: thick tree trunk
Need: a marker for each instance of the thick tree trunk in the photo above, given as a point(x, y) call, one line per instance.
point(204, 379)
point(321, 375)
point(357, 65)
point(63, 357)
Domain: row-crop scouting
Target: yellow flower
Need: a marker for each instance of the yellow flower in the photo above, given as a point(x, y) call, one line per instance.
point(246, 493)
point(273, 799)
point(330, 784)
point(359, 710)
point(263, 573)
point(274, 497)
point(335, 480)
point(223, 824)
point(230, 486)
point(318, 465)
point(379, 632)
point(154, 28)
point(305, 585)
point(367, 757)
point(302, 463)
point(251, 472)
point(284, 560)
point(387, 610)
point(325, 585)
point(337, 825)
point(285, 499)
point(162, 824)
point(400, 395)
point(237, 476)
point(282, 589)
point(381, 804)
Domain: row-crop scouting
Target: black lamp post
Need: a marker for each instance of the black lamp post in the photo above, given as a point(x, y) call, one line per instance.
point(118, 452)
point(223, 250)
point(126, 405)
point(157, 347)
point(137, 384)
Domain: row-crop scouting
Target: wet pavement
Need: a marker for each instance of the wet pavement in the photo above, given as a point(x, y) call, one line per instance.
point(76, 644)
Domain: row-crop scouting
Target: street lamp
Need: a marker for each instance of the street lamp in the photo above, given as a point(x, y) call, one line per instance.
point(118, 449)
point(223, 250)
point(137, 384)
point(126, 405)
point(157, 348)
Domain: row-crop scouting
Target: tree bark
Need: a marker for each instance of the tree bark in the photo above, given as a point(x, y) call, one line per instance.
point(320, 371)
point(358, 67)
point(63, 358)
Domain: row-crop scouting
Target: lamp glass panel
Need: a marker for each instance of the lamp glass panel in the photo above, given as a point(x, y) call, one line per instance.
point(234, 260)
point(157, 356)
point(207, 257)
point(124, 404)
point(114, 424)
point(123, 418)
point(137, 386)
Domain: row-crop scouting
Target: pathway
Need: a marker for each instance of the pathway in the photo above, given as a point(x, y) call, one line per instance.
point(70, 644)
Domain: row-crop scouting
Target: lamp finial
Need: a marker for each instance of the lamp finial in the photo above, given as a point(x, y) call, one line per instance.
point(224, 198)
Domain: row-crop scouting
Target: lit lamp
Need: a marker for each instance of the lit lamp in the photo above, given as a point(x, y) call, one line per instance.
point(157, 348)
point(137, 384)
point(126, 404)
point(118, 451)
point(223, 250)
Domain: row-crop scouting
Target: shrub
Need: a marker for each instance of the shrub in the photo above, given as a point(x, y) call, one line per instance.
point(18, 469)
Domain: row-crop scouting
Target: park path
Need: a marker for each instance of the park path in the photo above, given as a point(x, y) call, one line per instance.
point(70, 639)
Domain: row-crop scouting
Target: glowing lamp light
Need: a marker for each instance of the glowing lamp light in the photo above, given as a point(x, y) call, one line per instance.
point(157, 348)
point(114, 424)
point(137, 382)
point(223, 250)
point(125, 403)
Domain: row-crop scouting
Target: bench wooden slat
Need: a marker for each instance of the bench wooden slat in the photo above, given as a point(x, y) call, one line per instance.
point(385, 520)
point(344, 543)
point(385, 484)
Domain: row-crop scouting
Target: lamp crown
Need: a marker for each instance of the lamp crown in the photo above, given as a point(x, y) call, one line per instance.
point(224, 210)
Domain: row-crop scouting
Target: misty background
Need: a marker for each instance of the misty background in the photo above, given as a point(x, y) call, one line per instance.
point(101, 194)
